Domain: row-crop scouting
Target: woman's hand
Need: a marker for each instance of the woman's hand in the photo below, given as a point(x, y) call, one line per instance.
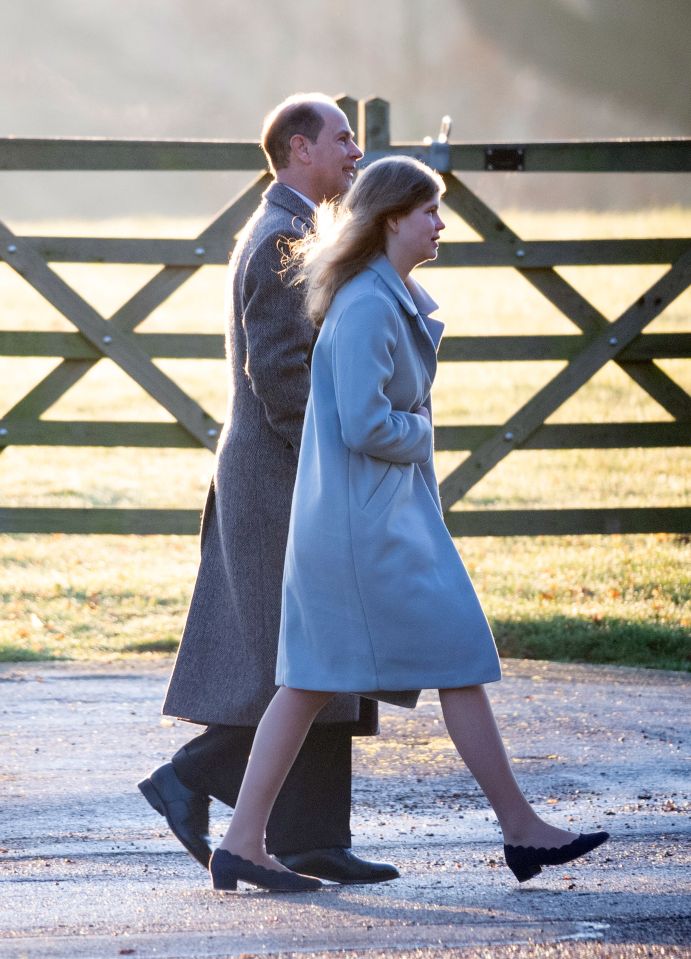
point(423, 411)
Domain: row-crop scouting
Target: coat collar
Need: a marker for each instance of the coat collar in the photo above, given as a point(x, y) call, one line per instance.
point(284, 197)
point(383, 266)
point(416, 301)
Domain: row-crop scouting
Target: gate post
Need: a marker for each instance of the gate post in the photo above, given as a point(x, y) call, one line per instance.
point(374, 128)
point(349, 105)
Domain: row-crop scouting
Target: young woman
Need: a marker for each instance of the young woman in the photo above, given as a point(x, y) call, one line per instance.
point(376, 600)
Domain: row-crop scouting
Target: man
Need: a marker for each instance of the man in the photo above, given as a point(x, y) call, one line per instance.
point(224, 672)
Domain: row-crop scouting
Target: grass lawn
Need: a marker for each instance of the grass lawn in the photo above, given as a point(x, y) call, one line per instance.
point(616, 599)
point(590, 599)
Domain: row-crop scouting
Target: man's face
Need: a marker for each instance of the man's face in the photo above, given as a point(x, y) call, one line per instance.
point(333, 155)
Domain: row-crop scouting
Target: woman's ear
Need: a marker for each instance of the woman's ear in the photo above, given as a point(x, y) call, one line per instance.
point(392, 223)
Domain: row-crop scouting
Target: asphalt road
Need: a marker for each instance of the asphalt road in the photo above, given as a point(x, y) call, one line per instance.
point(87, 869)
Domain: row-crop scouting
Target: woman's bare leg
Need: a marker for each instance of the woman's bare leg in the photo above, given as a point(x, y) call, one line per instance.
point(471, 724)
point(278, 740)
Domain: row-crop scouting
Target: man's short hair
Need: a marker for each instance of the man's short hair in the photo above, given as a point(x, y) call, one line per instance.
point(297, 114)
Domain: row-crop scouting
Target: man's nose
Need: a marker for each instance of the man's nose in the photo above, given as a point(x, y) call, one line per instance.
point(355, 151)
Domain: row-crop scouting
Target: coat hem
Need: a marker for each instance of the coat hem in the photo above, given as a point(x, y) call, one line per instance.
point(445, 682)
point(354, 727)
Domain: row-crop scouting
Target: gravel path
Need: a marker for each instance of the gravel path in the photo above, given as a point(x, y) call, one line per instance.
point(87, 869)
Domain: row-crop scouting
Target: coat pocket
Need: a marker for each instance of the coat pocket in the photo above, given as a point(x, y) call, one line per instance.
point(385, 490)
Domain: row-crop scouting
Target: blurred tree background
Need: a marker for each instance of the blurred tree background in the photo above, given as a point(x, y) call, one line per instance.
point(503, 69)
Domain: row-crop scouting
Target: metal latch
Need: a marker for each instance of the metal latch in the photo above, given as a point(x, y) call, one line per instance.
point(438, 151)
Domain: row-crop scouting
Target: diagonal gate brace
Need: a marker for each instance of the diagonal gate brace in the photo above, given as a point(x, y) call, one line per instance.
point(45, 393)
point(106, 338)
point(599, 351)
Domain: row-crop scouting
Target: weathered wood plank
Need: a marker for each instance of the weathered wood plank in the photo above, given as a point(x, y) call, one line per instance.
point(106, 433)
point(185, 522)
point(350, 107)
point(87, 249)
point(106, 337)
point(474, 349)
point(48, 391)
point(659, 155)
point(374, 126)
point(564, 436)
point(568, 522)
point(196, 346)
point(458, 349)
point(662, 388)
point(106, 153)
point(215, 251)
point(549, 253)
point(581, 368)
point(137, 522)
point(653, 155)
point(558, 436)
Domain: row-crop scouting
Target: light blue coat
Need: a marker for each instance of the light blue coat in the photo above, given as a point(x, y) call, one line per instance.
point(376, 599)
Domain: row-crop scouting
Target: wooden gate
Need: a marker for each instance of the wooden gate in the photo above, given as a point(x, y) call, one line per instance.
point(598, 343)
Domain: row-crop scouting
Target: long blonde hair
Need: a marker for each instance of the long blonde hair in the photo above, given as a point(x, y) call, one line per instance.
point(349, 235)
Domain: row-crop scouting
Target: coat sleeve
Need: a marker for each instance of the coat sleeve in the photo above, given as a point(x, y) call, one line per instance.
point(278, 336)
point(363, 362)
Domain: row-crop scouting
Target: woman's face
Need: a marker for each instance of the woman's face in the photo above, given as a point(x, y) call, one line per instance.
point(417, 233)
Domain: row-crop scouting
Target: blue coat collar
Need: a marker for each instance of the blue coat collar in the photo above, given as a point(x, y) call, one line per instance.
point(416, 301)
point(384, 268)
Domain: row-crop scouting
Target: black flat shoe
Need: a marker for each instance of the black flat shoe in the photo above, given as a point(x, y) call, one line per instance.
point(338, 864)
point(226, 869)
point(185, 811)
point(527, 861)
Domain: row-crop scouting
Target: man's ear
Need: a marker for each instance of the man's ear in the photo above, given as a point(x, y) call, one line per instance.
point(300, 147)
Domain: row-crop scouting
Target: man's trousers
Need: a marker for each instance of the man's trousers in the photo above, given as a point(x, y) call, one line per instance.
point(313, 807)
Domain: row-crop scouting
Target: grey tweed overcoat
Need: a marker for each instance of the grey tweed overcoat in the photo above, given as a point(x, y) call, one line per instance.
point(225, 668)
